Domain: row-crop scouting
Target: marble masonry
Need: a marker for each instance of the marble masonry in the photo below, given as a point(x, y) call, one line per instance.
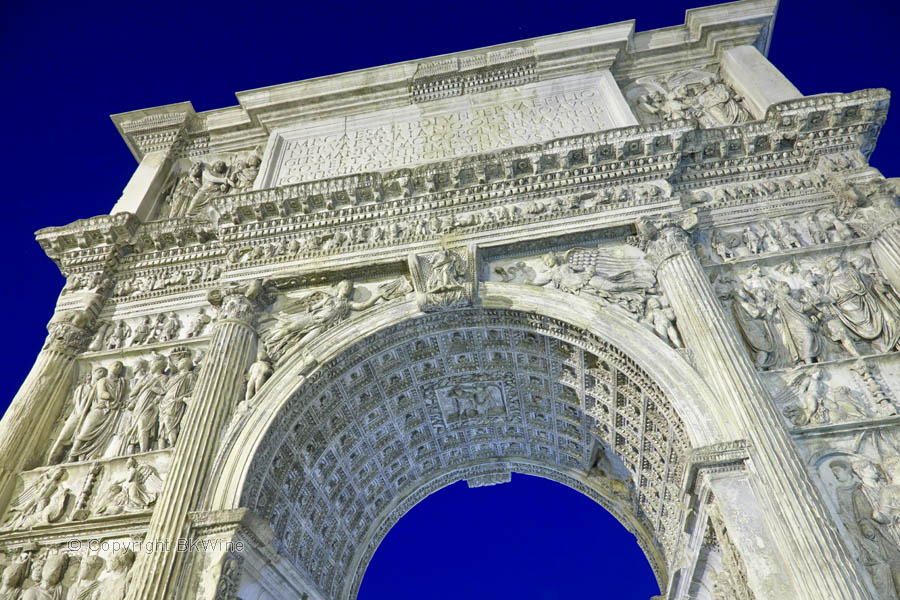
point(643, 265)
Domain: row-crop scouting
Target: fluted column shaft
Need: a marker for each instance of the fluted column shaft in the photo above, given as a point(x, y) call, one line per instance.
point(217, 390)
point(26, 424)
point(818, 558)
point(886, 252)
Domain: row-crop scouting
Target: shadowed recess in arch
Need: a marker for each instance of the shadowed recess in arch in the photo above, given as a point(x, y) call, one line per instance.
point(528, 539)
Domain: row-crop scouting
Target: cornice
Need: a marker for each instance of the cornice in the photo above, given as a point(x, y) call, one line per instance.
point(675, 158)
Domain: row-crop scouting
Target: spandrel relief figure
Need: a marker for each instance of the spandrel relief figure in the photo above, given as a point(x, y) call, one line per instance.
point(662, 320)
point(559, 274)
point(101, 421)
point(857, 307)
point(86, 585)
point(114, 583)
point(303, 319)
point(136, 491)
point(600, 275)
point(174, 402)
point(257, 375)
point(146, 393)
point(49, 586)
point(82, 402)
point(44, 501)
point(12, 580)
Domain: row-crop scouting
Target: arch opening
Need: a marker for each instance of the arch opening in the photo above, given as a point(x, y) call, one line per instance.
point(531, 537)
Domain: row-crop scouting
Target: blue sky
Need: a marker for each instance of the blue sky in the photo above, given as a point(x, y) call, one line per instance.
point(66, 68)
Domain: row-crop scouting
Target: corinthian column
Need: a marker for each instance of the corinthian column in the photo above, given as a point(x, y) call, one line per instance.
point(810, 544)
point(217, 391)
point(25, 426)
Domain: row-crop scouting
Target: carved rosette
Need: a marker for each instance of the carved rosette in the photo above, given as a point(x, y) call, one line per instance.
point(443, 279)
point(69, 333)
point(666, 236)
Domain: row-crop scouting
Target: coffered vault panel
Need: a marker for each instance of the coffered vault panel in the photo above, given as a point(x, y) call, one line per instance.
point(449, 392)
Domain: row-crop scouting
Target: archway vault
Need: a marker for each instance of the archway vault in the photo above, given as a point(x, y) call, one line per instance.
point(404, 403)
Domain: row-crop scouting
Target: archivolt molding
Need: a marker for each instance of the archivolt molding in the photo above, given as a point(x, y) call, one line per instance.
point(387, 409)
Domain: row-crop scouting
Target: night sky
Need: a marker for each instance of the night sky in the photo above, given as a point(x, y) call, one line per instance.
point(65, 69)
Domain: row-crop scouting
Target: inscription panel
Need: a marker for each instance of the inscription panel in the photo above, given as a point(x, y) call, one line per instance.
point(443, 129)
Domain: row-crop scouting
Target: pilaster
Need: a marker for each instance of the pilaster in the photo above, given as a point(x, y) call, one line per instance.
point(810, 543)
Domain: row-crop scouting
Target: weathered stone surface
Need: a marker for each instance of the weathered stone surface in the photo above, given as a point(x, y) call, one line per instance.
point(672, 285)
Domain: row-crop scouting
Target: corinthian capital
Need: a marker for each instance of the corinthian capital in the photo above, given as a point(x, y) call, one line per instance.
point(667, 235)
point(69, 332)
point(240, 301)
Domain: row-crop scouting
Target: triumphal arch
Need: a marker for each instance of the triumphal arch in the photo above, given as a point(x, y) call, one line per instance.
point(643, 265)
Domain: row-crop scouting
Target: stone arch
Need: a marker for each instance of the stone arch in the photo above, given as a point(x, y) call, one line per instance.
point(578, 394)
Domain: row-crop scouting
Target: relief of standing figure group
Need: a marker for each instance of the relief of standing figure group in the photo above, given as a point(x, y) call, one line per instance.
point(114, 414)
point(802, 314)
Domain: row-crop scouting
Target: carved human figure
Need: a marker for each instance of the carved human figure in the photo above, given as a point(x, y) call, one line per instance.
point(559, 275)
point(101, 421)
point(86, 585)
point(257, 375)
point(755, 330)
point(171, 327)
point(119, 335)
point(214, 180)
point(816, 233)
point(136, 491)
point(49, 586)
point(246, 174)
point(66, 437)
point(798, 332)
point(888, 508)
point(156, 330)
point(446, 271)
point(626, 289)
point(142, 331)
point(881, 558)
point(185, 189)
point(146, 393)
point(721, 246)
point(12, 580)
point(317, 312)
point(857, 308)
point(718, 104)
point(44, 500)
point(662, 321)
point(752, 240)
point(810, 407)
point(174, 402)
point(199, 324)
point(115, 581)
